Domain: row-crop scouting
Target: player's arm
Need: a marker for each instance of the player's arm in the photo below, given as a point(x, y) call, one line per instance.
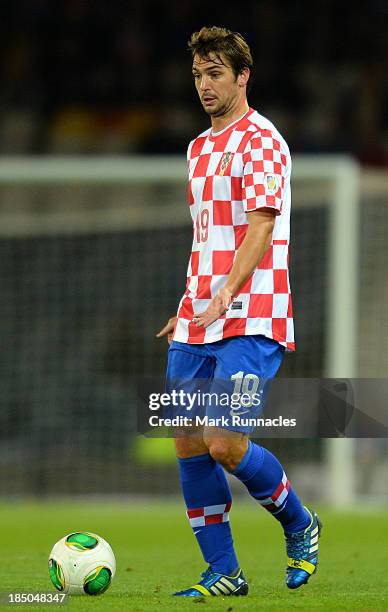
point(252, 249)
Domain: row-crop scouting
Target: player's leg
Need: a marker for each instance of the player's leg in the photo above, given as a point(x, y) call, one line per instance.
point(205, 488)
point(262, 474)
point(267, 482)
point(258, 468)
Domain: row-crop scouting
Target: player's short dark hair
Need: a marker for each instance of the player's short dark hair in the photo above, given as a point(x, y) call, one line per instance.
point(223, 42)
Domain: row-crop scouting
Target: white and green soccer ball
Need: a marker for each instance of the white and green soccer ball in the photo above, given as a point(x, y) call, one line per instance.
point(82, 563)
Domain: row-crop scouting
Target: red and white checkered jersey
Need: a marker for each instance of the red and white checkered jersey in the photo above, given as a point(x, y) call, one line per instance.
point(246, 166)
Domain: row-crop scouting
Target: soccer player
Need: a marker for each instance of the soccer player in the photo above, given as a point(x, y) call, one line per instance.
point(234, 321)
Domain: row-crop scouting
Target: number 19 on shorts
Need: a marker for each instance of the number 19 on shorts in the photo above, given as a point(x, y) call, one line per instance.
point(245, 387)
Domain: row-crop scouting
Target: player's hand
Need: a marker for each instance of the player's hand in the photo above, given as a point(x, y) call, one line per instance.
point(168, 330)
point(217, 307)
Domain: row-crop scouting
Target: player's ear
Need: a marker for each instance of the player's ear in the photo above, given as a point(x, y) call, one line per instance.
point(243, 77)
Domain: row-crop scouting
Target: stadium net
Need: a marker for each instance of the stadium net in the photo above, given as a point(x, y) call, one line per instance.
point(93, 262)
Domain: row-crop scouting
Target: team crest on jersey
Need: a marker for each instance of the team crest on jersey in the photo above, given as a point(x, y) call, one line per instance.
point(271, 183)
point(225, 162)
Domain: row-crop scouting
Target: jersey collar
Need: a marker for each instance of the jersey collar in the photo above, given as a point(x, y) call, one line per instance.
point(231, 126)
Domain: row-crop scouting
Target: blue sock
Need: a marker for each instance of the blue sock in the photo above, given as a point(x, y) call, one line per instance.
point(208, 500)
point(266, 481)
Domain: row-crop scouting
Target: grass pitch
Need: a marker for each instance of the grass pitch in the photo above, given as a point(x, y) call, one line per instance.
point(156, 554)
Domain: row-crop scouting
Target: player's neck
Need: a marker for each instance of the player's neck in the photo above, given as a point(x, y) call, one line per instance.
point(220, 123)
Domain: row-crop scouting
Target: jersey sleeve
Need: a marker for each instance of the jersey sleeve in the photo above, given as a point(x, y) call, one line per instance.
point(264, 173)
point(188, 154)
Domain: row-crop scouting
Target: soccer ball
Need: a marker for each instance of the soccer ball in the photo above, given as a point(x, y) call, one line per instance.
point(82, 563)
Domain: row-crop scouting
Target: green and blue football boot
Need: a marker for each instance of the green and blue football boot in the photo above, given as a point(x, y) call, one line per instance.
point(213, 584)
point(302, 552)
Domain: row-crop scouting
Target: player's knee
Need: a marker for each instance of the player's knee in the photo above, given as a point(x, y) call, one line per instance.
point(220, 451)
point(226, 451)
point(189, 446)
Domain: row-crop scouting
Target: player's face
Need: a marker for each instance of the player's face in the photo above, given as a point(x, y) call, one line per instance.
point(218, 87)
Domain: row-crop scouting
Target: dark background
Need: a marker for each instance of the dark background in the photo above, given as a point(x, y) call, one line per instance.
point(114, 76)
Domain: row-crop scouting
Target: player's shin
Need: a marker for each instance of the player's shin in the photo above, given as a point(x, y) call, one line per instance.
point(267, 482)
point(208, 500)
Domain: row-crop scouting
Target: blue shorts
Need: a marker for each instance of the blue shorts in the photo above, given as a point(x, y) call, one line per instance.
point(226, 382)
